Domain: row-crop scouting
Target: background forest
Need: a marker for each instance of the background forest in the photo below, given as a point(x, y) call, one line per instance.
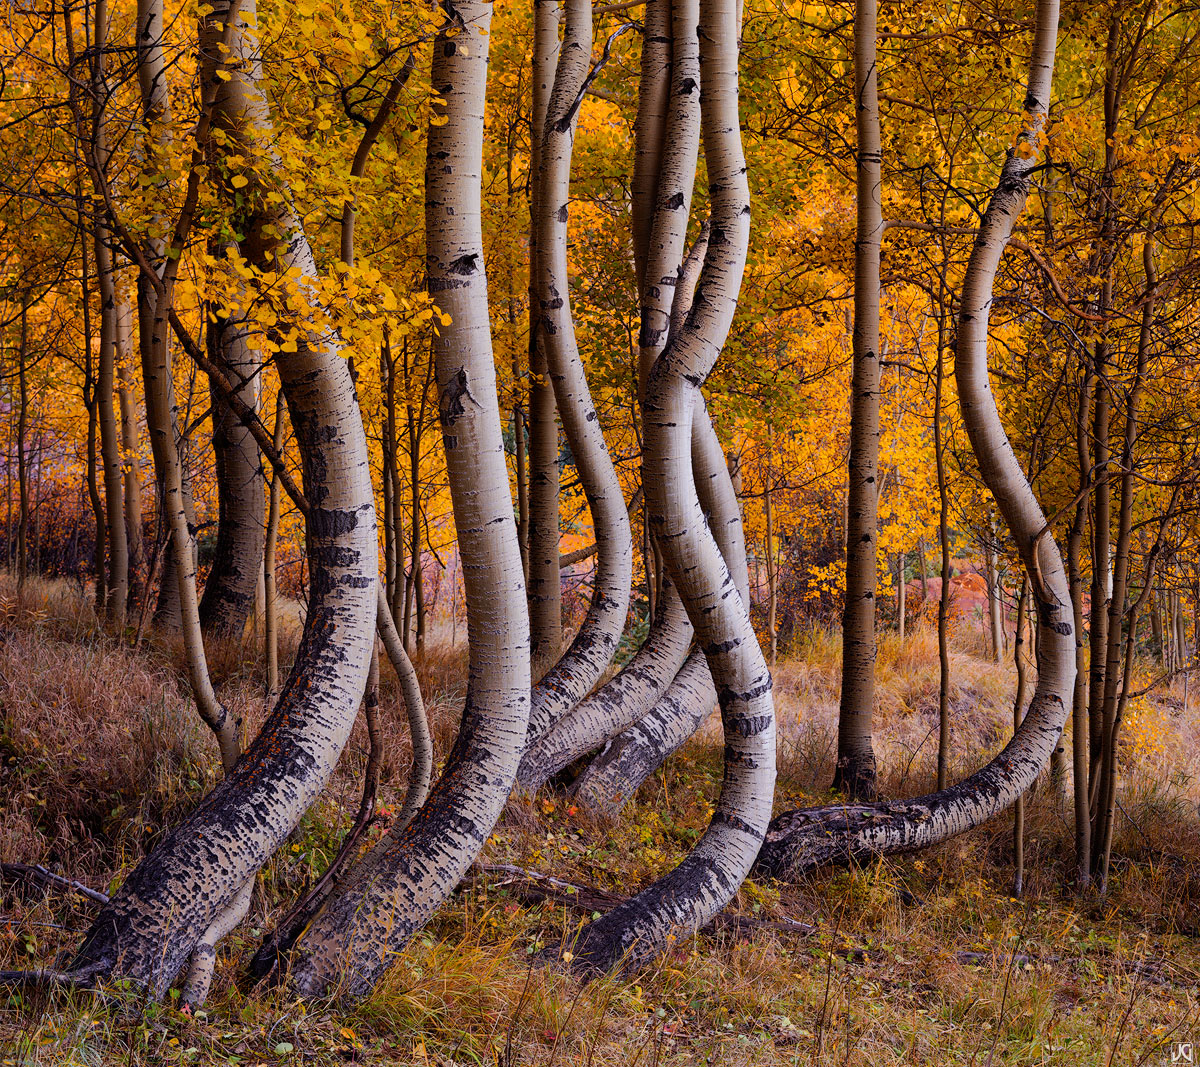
point(238, 278)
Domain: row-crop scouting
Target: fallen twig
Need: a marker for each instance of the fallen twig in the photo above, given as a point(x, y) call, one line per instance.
point(38, 875)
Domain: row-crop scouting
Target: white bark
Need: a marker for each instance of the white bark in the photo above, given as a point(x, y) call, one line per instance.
point(581, 666)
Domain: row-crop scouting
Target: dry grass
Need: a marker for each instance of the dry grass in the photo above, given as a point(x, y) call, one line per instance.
point(100, 748)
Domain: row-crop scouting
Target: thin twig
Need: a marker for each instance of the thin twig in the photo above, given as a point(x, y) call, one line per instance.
point(39, 875)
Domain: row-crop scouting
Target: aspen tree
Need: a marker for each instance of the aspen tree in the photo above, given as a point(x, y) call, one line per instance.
point(544, 577)
point(173, 898)
point(708, 877)
point(117, 585)
point(855, 772)
point(800, 840)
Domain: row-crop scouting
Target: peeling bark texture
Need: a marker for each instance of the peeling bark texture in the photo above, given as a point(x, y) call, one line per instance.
point(201, 966)
point(582, 665)
point(704, 882)
point(801, 840)
point(544, 585)
point(237, 562)
point(152, 924)
point(389, 894)
point(855, 773)
point(110, 443)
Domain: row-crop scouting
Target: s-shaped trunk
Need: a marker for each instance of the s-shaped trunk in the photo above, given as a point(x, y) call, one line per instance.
point(800, 840)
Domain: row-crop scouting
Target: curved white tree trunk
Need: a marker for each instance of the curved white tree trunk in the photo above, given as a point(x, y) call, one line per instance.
point(654, 87)
point(590, 653)
point(643, 681)
point(800, 840)
point(633, 755)
point(855, 772)
point(620, 702)
point(391, 892)
point(544, 580)
point(704, 882)
point(149, 928)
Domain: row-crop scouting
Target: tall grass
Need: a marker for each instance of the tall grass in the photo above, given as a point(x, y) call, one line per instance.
point(918, 960)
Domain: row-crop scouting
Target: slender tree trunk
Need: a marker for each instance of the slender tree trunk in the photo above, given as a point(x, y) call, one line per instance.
point(545, 583)
point(855, 774)
point(152, 81)
point(110, 447)
point(270, 596)
point(995, 595)
point(40, 466)
point(392, 543)
point(1101, 548)
point(418, 569)
point(654, 100)
point(798, 841)
point(581, 666)
point(110, 443)
point(772, 580)
point(99, 554)
point(943, 620)
point(131, 464)
point(1080, 747)
point(1018, 714)
point(392, 891)
point(521, 462)
point(1156, 626)
point(22, 457)
point(1102, 830)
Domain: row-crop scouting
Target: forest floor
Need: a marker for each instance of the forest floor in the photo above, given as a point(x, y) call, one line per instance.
point(925, 959)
